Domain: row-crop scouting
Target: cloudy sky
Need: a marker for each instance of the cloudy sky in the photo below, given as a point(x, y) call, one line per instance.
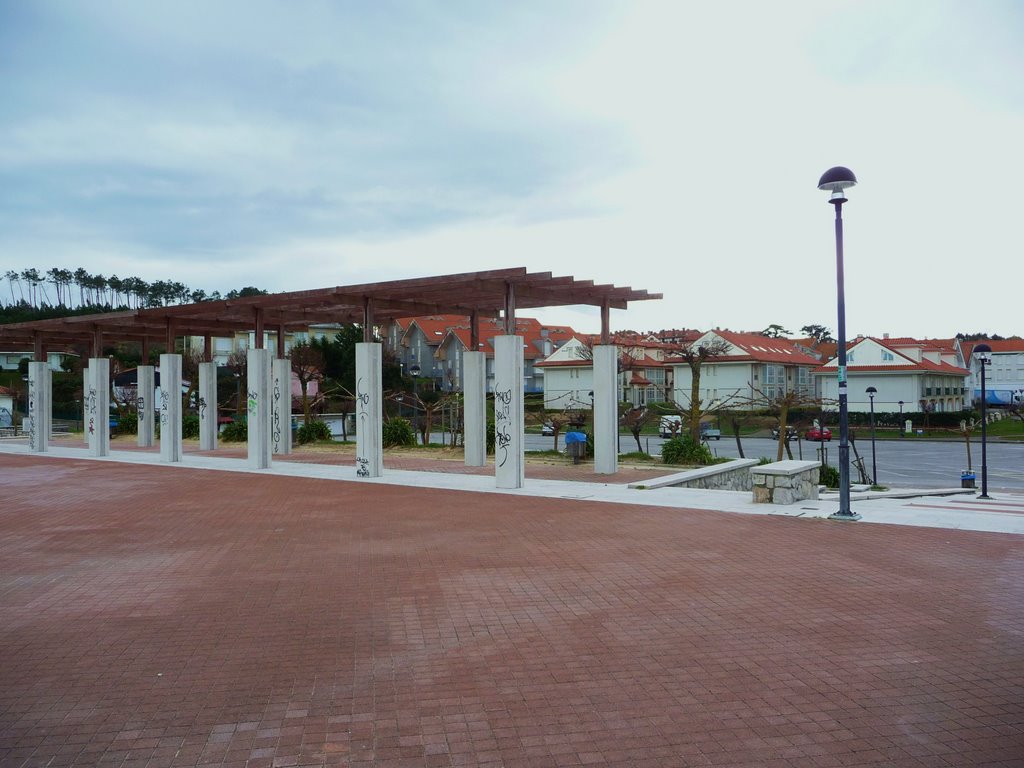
point(674, 146)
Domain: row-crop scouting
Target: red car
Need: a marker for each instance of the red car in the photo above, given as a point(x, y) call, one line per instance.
point(814, 433)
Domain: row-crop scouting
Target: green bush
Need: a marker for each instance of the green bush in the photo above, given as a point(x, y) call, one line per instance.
point(235, 432)
point(190, 425)
point(310, 433)
point(828, 476)
point(128, 424)
point(398, 432)
point(490, 438)
point(683, 450)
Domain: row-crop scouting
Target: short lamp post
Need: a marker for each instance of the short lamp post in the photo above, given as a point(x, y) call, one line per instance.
point(982, 351)
point(901, 418)
point(837, 180)
point(874, 464)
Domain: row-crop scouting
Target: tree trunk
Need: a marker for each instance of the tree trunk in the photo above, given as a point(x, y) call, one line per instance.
point(736, 433)
point(695, 400)
point(305, 402)
point(783, 429)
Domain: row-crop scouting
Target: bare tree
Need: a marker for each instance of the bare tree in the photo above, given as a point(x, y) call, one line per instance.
point(307, 363)
point(635, 419)
point(782, 403)
point(695, 355)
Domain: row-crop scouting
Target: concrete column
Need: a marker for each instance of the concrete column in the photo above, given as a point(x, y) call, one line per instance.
point(606, 409)
point(170, 408)
point(509, 459)
point(97, 413)
point(281, 406)
point(369, 411)
point(207, 406)
point(40, 406)
point(474, 405)
point(145, 404)
point(258, 406)
point(86, 389)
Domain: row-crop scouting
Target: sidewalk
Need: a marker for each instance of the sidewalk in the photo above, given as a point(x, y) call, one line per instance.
point(930, 508)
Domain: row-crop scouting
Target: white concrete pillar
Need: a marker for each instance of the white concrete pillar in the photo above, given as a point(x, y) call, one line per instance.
point(281, 406)
point(258, 402)
point(97, 415)
point(369, 411)
point(509, 458)
point(145, 404)
point(86, 389)
point(170, 408)
point(606, 409)
point(40, 406)
point(474, 406)
point(207, 406)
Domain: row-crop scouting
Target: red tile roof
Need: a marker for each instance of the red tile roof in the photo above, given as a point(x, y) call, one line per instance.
point(763, 349)
point(1004, 345)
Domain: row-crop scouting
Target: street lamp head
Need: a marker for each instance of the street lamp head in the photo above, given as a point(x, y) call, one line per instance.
point(836, 180)
point(871, 391)
point(982, 351)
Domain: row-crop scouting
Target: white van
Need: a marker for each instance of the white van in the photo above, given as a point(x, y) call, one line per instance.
point(670, 426)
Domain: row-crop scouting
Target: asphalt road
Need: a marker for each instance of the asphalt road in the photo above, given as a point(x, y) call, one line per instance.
point(911, 463)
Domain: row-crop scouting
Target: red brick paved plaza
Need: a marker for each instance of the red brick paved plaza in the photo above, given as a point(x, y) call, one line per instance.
point(158, 616)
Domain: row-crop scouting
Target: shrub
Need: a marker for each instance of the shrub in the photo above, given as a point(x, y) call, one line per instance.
point(828, 476)
point(128, 424)
point(190, 425)
point(235, 432)
point(683, 450)
point(313, 431)
point(397, 432)
point(490, 437)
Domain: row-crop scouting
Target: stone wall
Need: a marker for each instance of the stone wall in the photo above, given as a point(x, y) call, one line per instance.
point(729, 476)
point(785, 482)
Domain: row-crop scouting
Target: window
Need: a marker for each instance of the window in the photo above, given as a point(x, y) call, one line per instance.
point(887, 356)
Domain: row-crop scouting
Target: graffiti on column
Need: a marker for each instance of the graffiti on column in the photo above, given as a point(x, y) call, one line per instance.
point(202, 409)
point(90, 402)
point(252, 403)
point(503, 423)
point(140, 404)
point(165, 405)
point(276, 419)
point(32, 413)
point(363, 409)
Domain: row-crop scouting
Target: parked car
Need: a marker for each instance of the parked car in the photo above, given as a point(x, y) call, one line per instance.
point(791, 433)
point(670, 426)
point(708, 432)
point(817, 433)
point(547, 429)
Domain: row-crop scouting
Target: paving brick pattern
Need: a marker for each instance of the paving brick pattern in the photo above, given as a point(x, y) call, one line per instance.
point(154, 616)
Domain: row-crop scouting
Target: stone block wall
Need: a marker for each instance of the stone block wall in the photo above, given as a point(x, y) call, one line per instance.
point(785, 482)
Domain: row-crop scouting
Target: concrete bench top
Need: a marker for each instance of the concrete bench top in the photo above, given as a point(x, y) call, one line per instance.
point(693, 474)
point(788, 467)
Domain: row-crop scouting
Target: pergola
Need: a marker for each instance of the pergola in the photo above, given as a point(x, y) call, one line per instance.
point(492, 293)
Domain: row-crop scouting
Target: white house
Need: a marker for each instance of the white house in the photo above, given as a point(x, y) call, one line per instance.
point(752, 370)
point(1004, 376)
point(644, 373)
point(910, 375)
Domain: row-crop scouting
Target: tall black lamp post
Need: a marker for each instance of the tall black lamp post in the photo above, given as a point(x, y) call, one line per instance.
point(982, 351)
point(874, 465)
point(837, 180)
point(901, 418)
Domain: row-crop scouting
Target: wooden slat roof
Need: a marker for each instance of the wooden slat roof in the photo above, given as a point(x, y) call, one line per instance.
point(481, 292)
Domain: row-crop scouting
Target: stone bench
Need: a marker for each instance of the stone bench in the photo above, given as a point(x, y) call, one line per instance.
point(785, 482)
point(728, 476)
